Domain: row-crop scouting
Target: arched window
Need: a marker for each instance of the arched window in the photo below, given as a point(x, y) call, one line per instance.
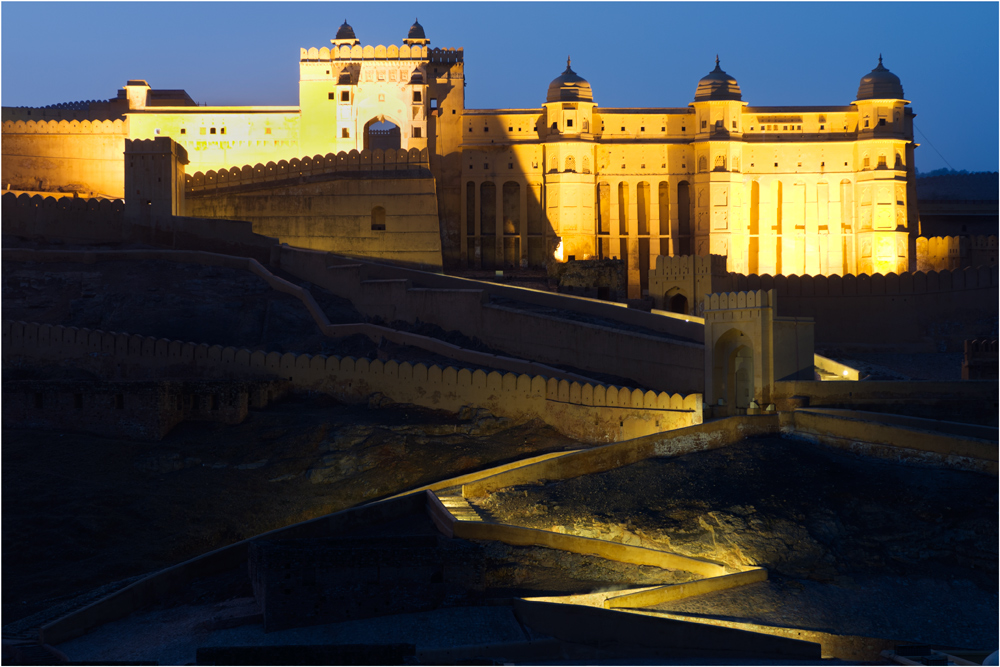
point(702, 163)
point(570, 163)
point(586, 164)
point(720, 163)
point(586, 125)
point(553, 165)
point(378, 219)
point(899, 161)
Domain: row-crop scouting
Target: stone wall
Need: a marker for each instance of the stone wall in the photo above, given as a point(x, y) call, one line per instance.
point(588, 412)
point(980, 360)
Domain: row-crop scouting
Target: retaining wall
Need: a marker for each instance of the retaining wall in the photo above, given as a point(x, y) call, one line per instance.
point(909, 445)
point(588, 412)
point(696, 438)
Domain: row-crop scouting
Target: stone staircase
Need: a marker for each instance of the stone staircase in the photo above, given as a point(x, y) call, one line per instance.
point(462, 510)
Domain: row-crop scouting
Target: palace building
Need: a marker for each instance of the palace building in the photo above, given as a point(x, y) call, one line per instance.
point(777, 190)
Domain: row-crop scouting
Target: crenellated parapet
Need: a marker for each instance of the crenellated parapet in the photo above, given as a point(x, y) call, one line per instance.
point(876, 284)
point(595, 412)
point(25, 209)
point(415, 52)
point(377, 160)
point(740, 300)
point(119, 127)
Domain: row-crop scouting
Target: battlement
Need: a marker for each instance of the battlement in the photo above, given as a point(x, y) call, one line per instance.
point(381, 52)
point(364, 161)
point(740, 300)
point(669, 266)
point(65, 127)
point(863, 285)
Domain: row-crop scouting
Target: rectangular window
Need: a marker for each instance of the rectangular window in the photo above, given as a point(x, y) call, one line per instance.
point(267, 130)
point(211, 131)
point(623, 129)
point(663, 129)
point(881, 161)
point(881, 122)
point(822, 127)
point(510, 129)
point(345, 134)
point(642, 129)
point(417, 96)
point(734, 124)
point(202, 131)
point(866, 122)
point(331, 96)
point(434, 103)
point(345, 96)
point(416, 133)
point(569, 122)
point(683, 129)
point(223, 131)
point(183, 131)
point(704, 124)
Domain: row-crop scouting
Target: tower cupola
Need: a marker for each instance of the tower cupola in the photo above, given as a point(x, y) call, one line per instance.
point(880, 84)
point(416, 35)
point(717, 85)
point(569, 87)
point(345, 35)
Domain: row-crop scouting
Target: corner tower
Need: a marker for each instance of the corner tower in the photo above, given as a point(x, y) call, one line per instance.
point(884, 166)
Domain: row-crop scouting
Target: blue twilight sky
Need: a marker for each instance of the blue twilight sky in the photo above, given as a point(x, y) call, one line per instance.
point(647, 54)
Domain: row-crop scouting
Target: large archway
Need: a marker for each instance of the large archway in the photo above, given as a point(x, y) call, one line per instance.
point(382, 134)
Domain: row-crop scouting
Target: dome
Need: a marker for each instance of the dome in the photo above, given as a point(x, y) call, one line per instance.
point(717, 85)
point(416, 31)
point(569, 87)
point(880, 84)
point(345, 32)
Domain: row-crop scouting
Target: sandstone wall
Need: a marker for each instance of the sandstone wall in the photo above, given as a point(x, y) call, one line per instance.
point(593, 413)
point(65, 156)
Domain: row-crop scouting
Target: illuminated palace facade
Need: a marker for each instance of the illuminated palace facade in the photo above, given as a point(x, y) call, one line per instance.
point(778, 190)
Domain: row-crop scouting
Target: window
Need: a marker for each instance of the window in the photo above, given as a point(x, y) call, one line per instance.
point(881, 162)
point(202, 131)
point(683, 129)
point(211, 131)
point(734, 124)
point(345, 134)
point(704, 124)
point(822, 164)
point(345, 96)
point(881, 122)
point(642, 129)
point(157, 130)
point(510, 129)
point(331, 96)
point(719, 125)
point(866, 162)
point(623, 128)
point(486, 128)
point(417, 96)
point(378, 219)
point(183, 131)
point(434, 103)
point(822, 127)
point(267, 130)
point(416, 133)
point(866, 122)
point(784, 127)
point(223, 131)
point(569, 122)
point(510, 165)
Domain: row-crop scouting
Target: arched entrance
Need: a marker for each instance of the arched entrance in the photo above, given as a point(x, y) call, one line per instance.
point(733, 371)
point(382, 134)
point(675, 301)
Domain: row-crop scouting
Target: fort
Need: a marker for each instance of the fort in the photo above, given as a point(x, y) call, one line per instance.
point(732, 294)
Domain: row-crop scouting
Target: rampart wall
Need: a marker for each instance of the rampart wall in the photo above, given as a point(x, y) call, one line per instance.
point(589, 412)
point(364, 161)
point(910, 312)
point(65, 156)
point(938, 253)
point(649, 359)
point(370, 204)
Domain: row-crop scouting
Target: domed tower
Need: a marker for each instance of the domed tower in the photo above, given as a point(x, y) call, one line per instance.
point(569, 104)
point(884, 168)
point(569, 162)
point(345, 35)
point(717, 150)
point(416, 35)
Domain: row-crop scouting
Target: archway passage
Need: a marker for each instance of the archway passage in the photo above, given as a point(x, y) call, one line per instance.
point(733, 372)
point(677, 303)
point(382, 135)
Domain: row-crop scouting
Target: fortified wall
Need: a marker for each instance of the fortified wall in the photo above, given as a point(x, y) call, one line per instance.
point(938, 253)
point(73, 156)
point(373, 203)
point(911, 312)
point(980, 360)
point(589, 412)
